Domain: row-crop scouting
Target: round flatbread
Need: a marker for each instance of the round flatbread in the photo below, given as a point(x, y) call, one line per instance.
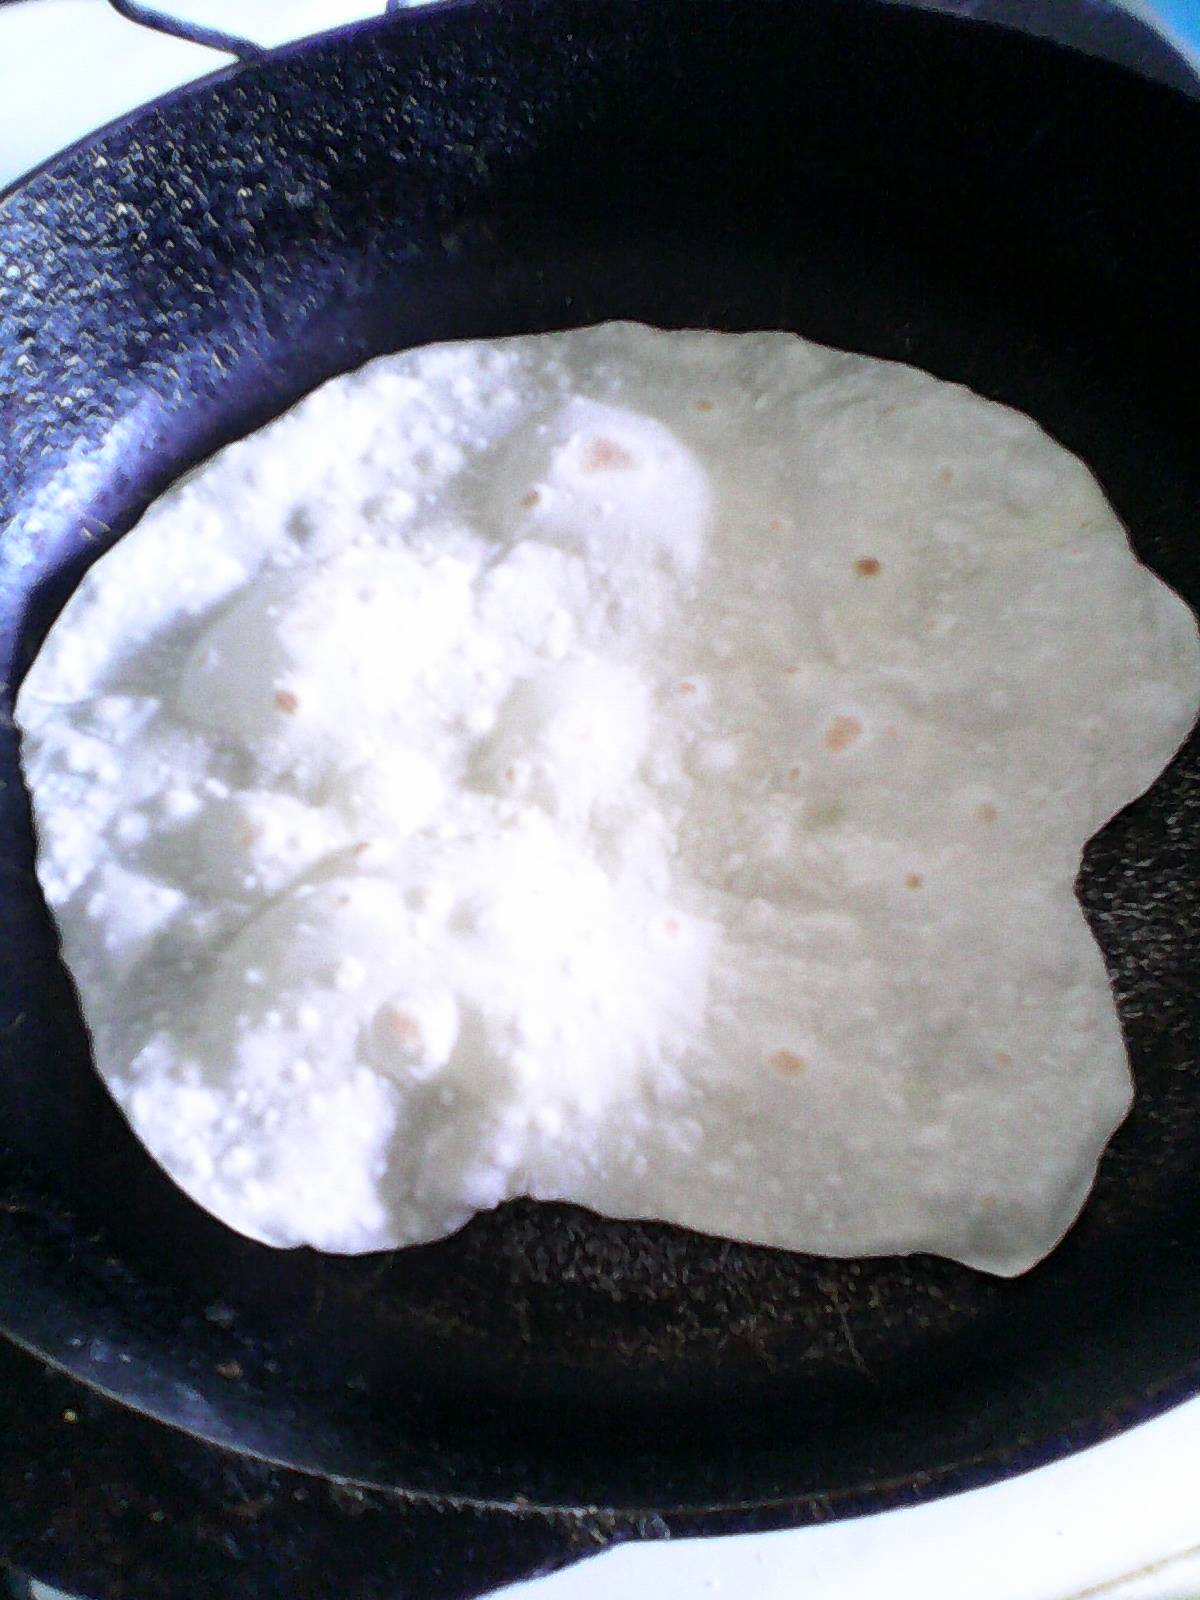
point(644, 769)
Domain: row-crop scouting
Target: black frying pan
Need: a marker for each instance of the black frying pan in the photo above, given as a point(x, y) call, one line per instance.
point(186, 1413)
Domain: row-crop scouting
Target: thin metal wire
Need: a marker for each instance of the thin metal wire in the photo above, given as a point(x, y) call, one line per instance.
point(147, 16)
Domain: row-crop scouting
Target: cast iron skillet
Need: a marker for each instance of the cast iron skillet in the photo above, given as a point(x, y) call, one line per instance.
point(187, 1413)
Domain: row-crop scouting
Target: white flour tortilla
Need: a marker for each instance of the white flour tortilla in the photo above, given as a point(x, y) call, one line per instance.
point(642, 769)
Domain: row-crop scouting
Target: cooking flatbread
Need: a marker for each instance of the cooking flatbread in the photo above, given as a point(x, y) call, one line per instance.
point(642, 769)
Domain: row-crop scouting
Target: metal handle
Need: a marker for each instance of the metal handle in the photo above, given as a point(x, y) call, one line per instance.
point(147, 16)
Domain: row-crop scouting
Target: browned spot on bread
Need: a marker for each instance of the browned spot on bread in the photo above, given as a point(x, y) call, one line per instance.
point(946, 475)
point(606, 455)
point(403, 1026)
point(913, 881)
point(867, 567)
point(842, 732)
point(787, 1062)
point(704, 405)
point(776, 525)
point(986, 812)
point(285, 700)
point(686, 687)
point(530, 498)
point(1003, 1059)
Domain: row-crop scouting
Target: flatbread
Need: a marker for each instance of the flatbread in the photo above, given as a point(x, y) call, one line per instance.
point(643, 769)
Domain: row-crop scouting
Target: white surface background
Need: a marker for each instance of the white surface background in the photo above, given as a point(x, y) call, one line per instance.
point(1121, 1520)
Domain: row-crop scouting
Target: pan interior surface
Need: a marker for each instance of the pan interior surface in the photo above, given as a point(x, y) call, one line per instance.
point(984, 206)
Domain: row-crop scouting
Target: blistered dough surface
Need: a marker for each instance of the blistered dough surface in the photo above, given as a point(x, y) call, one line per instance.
point(643, 769)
